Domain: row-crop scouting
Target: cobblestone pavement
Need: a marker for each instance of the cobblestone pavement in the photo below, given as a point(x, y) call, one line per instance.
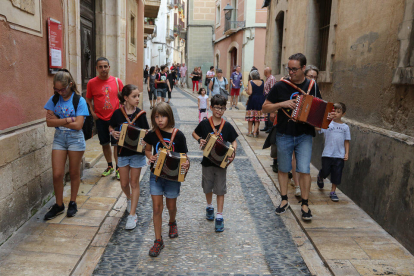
point(255, 240)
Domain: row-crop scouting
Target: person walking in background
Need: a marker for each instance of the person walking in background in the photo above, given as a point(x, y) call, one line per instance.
point(210, 74)
point(255, 90)
point(152, 91)
point(172, 77)
point(218, 84)
point(163, 86)
point(270, 81)
point(146, 73)
point(195, 76)
point(203, 105)
point(236, 82)
point(183, 73)
point(103, 91)
point(67, 118)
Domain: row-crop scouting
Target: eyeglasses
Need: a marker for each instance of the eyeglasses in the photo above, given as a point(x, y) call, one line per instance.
point(219, 108)
point(312, 77)
point(60, 90)
point(294, 70)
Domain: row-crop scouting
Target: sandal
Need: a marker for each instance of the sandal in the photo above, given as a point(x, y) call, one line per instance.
point(306, 215)
point(249, 134)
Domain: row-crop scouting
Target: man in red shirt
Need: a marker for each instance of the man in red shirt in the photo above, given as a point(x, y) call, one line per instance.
point(103, 91)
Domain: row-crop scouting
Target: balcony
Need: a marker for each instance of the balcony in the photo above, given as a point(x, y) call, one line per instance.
point(170, 35)
point(149, 28)
point(151, 8)
point(231, 27)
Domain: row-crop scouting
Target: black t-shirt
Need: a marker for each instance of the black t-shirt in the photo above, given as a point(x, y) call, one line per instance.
point(228, 134)
point(179, 143)
point(196, 76)
point(118, 119)
point(281, 92)
point(172, 76)
point(162, 77)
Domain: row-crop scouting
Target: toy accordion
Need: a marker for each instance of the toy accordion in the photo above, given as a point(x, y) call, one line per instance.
point(310, 109)
point(313, 111)
point(131, 137)
point(168, 165)
point(217, 151)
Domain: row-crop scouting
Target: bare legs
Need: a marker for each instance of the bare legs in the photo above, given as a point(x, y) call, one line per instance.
point(157, 208)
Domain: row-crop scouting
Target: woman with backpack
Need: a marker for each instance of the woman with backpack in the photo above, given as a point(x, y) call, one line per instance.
point(219, 85)
point(67, 117)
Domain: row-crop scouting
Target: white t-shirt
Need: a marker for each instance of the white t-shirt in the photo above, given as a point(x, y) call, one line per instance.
point(203, 101)
point(210, 74)
point(335, 137)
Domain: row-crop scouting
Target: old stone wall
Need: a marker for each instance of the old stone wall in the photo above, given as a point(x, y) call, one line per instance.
point(362, 58)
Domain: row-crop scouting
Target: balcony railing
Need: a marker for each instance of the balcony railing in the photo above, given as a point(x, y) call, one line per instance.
point(233, 26)
point(170, 35)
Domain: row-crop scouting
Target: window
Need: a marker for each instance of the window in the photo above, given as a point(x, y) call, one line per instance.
point(132, 30)
point(280, 18)
point(217, 61)
point(218, 15)
point(324, 25)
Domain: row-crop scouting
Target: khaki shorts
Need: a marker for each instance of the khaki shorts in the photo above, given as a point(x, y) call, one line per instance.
point(214, 180)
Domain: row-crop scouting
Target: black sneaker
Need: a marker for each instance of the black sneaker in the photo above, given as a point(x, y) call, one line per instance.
point(319, 181)
point(72, 209)
point(280, 210)
point(306, 215)
point(54, 211)
point(156, 248)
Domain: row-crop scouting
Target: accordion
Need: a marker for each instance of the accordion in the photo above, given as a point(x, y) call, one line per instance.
point(217, 151)
point(168, 165)
point(313, 111)
point(131, 137)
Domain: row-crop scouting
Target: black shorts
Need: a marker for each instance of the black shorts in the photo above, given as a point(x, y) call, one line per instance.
point(103, 133)
point(332, 166)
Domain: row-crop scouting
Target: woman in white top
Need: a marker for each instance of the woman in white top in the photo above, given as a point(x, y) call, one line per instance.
point(203, 104)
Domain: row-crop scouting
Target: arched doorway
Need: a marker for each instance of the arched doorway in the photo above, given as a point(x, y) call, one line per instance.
point(233, 59)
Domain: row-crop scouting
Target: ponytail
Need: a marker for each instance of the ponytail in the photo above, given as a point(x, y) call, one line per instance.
point(126, 91)
point(65, 77)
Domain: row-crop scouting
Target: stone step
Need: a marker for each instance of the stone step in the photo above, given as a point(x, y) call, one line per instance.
point(93, 152)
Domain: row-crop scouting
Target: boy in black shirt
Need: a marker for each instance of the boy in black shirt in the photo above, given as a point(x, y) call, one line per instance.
point(214, 177)
point(292, 136)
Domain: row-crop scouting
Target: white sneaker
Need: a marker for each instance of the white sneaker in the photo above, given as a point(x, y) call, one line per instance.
point(128, 209)
point(297, 191)
point(131, 222)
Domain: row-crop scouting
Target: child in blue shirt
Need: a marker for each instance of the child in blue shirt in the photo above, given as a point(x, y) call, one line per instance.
point(68, 140)
point(336, 150)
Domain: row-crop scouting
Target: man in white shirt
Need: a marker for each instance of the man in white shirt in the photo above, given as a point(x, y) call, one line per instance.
point(183, 72)
point(209, 76)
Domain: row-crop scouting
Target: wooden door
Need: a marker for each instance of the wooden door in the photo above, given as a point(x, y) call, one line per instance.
point(87, 32)
point(233, 62)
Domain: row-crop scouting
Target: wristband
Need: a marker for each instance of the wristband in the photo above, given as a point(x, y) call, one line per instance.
point(72, 119)
point(198, 140)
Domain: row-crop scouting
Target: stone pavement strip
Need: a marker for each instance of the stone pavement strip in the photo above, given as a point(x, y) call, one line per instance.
point(348, 240)
point(255, 240)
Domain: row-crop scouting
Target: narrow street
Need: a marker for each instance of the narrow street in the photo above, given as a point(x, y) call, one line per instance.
point(255, 240)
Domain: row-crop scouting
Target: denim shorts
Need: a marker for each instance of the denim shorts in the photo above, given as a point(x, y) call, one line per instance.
point(162, 92)
point(301, 145)
point(134, 161)
point(168, 188)
point(72, 140)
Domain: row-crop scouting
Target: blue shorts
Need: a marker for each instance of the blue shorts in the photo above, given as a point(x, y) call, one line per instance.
point(301, 145)
point(168, 188)
point(134, 161)
point(162, 92)
point(72, 140)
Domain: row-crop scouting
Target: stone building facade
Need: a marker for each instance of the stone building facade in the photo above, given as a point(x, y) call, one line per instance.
point(365, 51)
point(240, 39)
point(90, 28)
point(200, 30)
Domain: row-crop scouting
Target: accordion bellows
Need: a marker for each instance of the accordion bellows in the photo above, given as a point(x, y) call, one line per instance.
point(131, 137)
point(313, 111)
point(217, 151)
point(168, 165)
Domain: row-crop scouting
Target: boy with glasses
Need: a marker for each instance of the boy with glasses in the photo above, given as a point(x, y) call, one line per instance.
point(213, 176)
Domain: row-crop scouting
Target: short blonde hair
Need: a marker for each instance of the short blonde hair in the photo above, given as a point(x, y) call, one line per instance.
point(162, 109)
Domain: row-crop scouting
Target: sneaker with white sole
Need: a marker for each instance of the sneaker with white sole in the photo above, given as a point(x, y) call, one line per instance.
point(334, 197)
point(297, 191)
point(131, 222)
point(128, 208)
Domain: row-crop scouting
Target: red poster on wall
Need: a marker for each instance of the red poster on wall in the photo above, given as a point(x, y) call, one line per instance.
point(55, 43)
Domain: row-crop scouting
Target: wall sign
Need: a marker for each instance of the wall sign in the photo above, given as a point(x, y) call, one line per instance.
point(55, 38)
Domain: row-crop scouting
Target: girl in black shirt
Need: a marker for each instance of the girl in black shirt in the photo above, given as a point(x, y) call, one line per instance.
point(162, 119)
point(129, 162)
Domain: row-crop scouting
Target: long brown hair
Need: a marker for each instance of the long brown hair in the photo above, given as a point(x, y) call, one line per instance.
point(162, 109)
point(65, 77)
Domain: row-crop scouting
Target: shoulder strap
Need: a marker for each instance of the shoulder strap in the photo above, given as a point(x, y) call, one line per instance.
point(312, 82)
point(173, 134)
point(75, 101)
point(55, 99)
point(127, 118)
point(117, 84)
point(217, 133)
point(293, 85)
point(214, 80)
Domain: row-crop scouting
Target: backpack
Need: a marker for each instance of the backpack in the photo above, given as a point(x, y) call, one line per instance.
point(223, 92)
point(87, 127)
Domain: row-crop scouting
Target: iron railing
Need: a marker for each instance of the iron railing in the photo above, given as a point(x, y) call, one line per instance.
point(170, 35)
point(234, 25)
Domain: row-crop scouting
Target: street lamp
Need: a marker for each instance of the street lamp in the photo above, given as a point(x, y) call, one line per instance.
point(227, 11)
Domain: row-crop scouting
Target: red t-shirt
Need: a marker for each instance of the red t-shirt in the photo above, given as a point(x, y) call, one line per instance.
point(105, 96)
